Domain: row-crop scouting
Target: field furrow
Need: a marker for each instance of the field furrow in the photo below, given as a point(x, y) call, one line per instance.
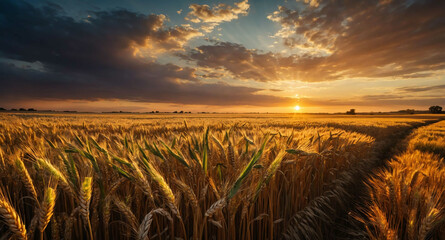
point(406, 198)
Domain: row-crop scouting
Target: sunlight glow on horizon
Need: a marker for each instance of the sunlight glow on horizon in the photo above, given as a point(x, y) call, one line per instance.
point(240, 56)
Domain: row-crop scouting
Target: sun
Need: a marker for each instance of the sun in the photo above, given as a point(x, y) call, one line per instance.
point(297, 108)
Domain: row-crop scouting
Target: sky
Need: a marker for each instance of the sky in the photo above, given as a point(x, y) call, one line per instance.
point(222, 56)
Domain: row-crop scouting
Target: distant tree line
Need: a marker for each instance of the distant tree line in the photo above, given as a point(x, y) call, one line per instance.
point(20, 109)
point(432, 109)
point(67, 111)
point(181, 112)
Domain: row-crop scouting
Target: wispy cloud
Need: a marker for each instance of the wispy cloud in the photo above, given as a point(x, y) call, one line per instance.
point(422, 88)
point(383, 102)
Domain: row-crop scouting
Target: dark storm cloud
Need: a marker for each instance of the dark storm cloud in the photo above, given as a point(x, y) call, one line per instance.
point(32, 34)
point(343, 39)
point(33, 84)
point(97, 58)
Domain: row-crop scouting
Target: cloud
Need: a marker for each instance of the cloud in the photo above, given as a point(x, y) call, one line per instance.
point(151, 85)
point(243, 63)
point(251, 64)
point(333, 41)
point(49, 56)
point(46, 33)
point(373, 39)
point(312, 3)
point(209, 27)
point(421, 88)
point(384, 101)
point(218, 13)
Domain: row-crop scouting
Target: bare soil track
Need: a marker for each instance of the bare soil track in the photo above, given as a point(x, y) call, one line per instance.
point(328, 216)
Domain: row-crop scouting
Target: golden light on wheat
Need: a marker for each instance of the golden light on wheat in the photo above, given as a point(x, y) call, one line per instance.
point(213, 177)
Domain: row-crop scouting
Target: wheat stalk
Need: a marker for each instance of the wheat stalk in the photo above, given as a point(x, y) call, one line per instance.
point(427, 223)
point(84, 201)
point(216, 206)
point(126, 211)
point(55, 234)
point(57, 174)
point(144, 227)
point(12, 218)
point(46, 209)
point(26, 178)
point(195, 204)
point(166, 191)
point(69, 228)
point(85, 197)
point(33, 225)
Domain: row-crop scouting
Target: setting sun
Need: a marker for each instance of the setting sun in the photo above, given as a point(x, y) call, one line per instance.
point(297, 108)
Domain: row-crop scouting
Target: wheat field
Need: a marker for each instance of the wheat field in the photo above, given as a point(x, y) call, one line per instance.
point(407, 199)
point(220, 176)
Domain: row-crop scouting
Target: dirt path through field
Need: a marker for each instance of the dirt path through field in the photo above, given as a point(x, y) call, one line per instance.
point(328, 216)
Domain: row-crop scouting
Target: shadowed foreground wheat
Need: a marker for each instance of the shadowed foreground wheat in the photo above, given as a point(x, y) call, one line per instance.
point(408, 198)
point(76, 176)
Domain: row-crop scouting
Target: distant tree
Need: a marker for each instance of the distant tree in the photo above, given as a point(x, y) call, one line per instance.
point(2, 109)
point(157, 111)
point(435, 109)
point(13, 109)
point(31, 110)
point(410, 111)
point(351, 112)
point(175, 112)
point(181, 112)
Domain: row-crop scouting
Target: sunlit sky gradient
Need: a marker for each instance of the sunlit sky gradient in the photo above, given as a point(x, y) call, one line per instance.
point(223, 56)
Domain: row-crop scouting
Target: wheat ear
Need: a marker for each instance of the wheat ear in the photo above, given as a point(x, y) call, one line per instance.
point(144, 228)
point(12, 218)
point(85, 199)
point(26, 178)
point(47, 208)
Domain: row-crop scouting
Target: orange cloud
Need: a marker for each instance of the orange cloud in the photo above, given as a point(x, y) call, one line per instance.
point(218, 13)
